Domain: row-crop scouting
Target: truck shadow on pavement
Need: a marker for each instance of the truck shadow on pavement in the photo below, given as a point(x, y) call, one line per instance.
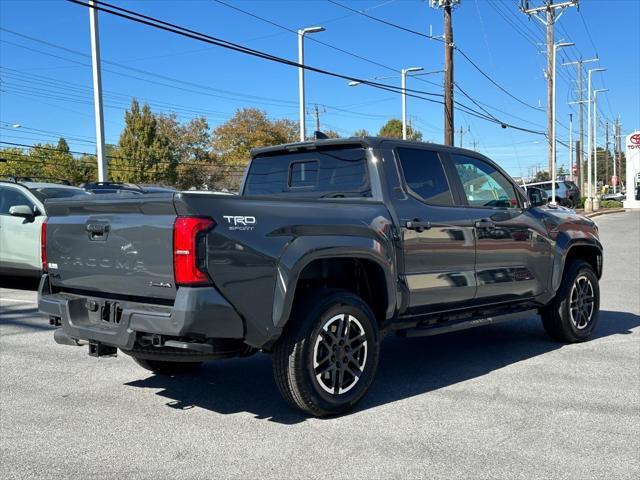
point(407, 367)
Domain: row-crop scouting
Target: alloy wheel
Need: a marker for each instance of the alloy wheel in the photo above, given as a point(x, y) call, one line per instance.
point(582, 302)
point(340, 354)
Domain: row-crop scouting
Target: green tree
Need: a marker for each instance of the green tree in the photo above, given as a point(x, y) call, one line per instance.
point(249, 128)
point(393, 129)
point(189, 150)
point(542, 176)
point(144, 153)
point(15, 163)
point(332, 134)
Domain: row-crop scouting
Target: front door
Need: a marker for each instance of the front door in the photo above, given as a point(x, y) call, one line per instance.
point(513, 254)
point(437, 237)
point(19, 237)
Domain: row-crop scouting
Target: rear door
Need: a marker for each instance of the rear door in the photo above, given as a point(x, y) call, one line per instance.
point(513, 255)
point(121, 246)
point(437, 237)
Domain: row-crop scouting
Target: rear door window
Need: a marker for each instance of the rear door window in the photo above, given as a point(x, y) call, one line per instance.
point(320, 174)
point(424, 175)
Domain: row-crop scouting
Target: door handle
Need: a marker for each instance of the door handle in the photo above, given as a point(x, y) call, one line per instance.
point(417, 225)
point(485, 223)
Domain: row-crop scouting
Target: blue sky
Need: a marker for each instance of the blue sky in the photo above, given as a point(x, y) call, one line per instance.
point(47, 89)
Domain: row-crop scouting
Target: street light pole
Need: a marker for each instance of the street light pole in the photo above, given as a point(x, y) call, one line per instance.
point(588, 206)
point(97, 92)
point(403, 73)
point(553, 120)
point(301, 33)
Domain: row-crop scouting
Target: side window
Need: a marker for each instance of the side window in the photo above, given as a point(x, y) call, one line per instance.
point(424, 175)
point(484, 186)
point(10, 197)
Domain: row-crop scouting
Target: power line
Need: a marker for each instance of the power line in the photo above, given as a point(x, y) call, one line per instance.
point(183, 31)
point(415, 32)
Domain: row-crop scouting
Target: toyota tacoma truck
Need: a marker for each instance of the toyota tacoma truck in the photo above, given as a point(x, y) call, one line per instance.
point(330, 246)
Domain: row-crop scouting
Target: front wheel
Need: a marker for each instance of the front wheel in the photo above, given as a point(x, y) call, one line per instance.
point(573, 313)
point(326, 360)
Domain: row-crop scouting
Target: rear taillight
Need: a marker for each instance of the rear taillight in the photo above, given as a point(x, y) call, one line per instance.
point(43, 245)
point(188, 235)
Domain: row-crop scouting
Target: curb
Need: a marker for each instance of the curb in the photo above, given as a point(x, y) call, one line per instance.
point(604, 212)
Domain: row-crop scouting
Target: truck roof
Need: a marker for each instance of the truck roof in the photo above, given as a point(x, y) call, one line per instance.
point(366, 142)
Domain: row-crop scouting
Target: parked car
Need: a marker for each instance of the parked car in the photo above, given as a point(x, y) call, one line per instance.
point(125, 188)
point(22, 213)
point(617, 196)
point(331, 245)
point(567, 192)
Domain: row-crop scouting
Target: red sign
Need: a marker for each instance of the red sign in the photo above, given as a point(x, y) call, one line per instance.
point(635, 139)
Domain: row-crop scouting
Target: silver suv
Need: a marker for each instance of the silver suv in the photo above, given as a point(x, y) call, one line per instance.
point(567, 192)
point(22, 213)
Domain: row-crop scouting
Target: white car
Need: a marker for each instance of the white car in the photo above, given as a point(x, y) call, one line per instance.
point(22, 213)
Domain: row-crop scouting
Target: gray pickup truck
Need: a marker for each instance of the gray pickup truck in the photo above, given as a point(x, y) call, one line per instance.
point(331, 245)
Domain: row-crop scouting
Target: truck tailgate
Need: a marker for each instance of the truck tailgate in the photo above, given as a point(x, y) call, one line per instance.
point(113, 245)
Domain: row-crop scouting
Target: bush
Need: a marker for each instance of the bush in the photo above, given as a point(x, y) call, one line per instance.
point(610, 204)
point(580, 203)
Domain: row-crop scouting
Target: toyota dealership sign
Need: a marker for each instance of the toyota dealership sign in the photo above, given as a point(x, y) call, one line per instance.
point(633, 170)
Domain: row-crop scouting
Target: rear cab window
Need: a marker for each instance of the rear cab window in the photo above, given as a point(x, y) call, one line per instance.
point(330, 173)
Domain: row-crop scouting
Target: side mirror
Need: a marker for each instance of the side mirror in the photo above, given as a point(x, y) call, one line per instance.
point(24, 211)
point(537, 197)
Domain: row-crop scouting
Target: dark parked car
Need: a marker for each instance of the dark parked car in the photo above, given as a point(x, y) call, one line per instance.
point(331, 245)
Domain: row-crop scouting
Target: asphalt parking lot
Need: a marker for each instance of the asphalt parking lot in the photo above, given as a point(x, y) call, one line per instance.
point(501, 401)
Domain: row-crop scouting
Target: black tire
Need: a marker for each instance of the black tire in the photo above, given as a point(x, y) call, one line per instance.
point(310, 336)
point(570, 317)
point(167, 368)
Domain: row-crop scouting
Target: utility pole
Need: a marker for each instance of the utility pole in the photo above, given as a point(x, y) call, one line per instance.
point(475, 144)
point(596, 201)
point(606, 154)
point(580, 150)
point(316, 112)
point(588, 205)
point(571, 146)
point(553, 118)
point(617, 156)
point(546, 13)
point(97, 92)
point(462, 131)
point(447, 6)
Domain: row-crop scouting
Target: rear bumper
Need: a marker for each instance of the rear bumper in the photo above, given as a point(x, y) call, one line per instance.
point(197, 313)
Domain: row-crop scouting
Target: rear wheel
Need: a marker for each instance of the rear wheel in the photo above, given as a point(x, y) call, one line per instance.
point(167, 368)
point(326, 360)
point(573, 314)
